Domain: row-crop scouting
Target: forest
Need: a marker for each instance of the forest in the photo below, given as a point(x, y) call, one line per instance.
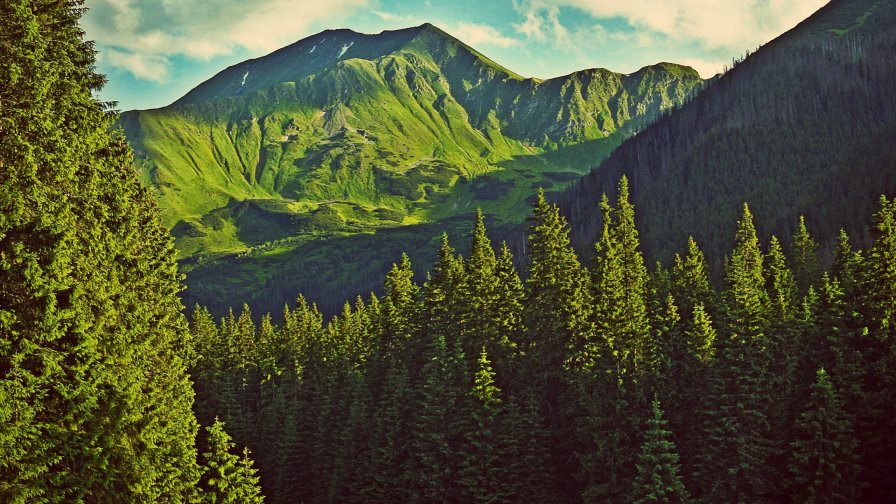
point(610, 380)
point(805, 125)
point(581, 383)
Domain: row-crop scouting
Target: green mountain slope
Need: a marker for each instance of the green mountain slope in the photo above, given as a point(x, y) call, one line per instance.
point(344, 133)
point(804, 126)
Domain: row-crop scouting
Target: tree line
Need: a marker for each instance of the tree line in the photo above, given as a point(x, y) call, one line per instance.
point(597, 383)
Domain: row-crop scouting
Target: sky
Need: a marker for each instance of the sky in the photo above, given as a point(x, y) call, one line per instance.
point(154, 51)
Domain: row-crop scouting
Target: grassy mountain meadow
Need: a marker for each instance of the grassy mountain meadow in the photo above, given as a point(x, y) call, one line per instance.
point(345, 145)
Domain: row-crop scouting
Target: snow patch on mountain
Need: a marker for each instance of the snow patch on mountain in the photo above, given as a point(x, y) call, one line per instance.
point(344, 48)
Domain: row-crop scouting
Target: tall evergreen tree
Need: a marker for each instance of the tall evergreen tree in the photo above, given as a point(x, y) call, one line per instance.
point(400, 312)
point(485, 318)
point(508, 317)
point(555, 317)
point(658, 478)
point(780, 283)
point(228, 479)
point(690, 281)
point(806, 268)
point(824, 463)
point(877, 309)
point(620, 287)
point(95, 403)
point(734, 466)
point(482, 457)
point(621, 356)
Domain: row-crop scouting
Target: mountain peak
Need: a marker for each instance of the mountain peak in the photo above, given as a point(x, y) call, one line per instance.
point(318, 53)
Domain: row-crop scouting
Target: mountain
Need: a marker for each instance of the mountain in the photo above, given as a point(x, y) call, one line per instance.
point(344, 134)
point(804, 126)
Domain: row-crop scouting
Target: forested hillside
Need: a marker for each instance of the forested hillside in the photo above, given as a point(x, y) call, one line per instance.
point(804, 126)
point(599, 383)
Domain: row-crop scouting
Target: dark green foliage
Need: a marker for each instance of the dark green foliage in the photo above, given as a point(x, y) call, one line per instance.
point(382, 404)
point(824, 463)
point(806, 267)
point(95, 402)
point(483, 454)
point(806, 125)
point(228, 478)
point(737, 450)
point(658, 478)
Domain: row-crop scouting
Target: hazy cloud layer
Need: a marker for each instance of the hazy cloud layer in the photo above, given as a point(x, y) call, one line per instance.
point(141, 35)
point(474, 35)
point(714, 24)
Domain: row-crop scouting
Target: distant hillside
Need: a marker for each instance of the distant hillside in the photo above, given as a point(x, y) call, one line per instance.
point(342, 134)
point(805, 126)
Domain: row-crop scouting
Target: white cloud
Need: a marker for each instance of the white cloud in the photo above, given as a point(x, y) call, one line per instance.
point(705, 68)
point(141, 36)
point(533, 26)
point(478, 34)
point(713, 24)
point(144, 66)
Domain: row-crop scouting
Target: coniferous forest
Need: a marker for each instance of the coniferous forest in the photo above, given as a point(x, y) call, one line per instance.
point(569, 380)
point(600, 382)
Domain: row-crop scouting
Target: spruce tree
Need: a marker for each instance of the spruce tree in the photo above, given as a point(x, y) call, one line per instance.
point(690, 281)
point(620, 288)
point(824, 464)
point(877, 309)
point(485, 324)
point(228, 478)
point(400, 313)
point(95, 402)
point(621, 358)
point(443, 295)
point(806, 268)
point(508, 318)
point(658, 478)
point(780, 283)
point(482, 458)
point(555, 316)
point(734, 465)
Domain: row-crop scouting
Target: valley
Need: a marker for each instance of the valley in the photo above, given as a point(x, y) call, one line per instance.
point(350, 138)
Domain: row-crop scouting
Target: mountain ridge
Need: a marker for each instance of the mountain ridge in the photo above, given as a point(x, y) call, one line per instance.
point(343, 133)
point(802, 126)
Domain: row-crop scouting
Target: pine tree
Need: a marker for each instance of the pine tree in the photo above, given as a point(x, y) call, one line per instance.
point(386, 473)
point(524, 441)
point(485, 323)
point(824, 458)
point(780, 283)
point(847, 265)
point(658, 478)
point(228, 479)
point(555, 316)
point(877, 309)
point(555, 294)
point(620, 288)
point(508, 317)
point(701, 338)
point(400, 312)
point(734, 465)
point(621, 358)
point(690, 281)
point(92, 341)
point(806, 268)
point(433, 456)
point(481, 470)
point(443, 295)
